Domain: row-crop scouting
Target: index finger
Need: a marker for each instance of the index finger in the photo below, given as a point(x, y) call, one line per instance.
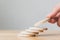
point(54, 12)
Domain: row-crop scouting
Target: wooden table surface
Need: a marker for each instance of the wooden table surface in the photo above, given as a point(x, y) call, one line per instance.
point(12, 35)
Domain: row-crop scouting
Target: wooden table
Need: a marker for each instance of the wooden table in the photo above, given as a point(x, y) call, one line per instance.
point(12, 35)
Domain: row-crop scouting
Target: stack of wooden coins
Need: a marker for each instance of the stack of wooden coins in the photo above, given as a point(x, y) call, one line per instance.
point(31, 32)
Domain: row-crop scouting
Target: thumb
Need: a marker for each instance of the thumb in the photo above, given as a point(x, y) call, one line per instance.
point(58, 22)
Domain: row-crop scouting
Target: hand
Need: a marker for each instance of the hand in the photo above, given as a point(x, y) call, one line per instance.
point(55, 15)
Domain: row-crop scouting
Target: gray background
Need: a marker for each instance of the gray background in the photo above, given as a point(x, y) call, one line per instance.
point(21, 14)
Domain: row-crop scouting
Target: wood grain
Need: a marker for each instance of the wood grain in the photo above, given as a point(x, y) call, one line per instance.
point(12, 35)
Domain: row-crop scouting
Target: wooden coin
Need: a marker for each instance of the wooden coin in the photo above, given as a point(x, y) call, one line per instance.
point(32, 31)
point(45, 28)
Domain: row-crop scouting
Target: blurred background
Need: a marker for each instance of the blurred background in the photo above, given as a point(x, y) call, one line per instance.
point(21, 14)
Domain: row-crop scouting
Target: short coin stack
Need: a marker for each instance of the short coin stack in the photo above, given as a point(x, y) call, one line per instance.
point(31, 32)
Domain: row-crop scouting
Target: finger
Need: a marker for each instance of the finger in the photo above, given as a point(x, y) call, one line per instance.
point(58, 14)
point(55, 11)
point(52, 21)
point(58, 22)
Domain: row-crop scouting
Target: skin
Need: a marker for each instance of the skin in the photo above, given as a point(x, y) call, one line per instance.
point(55, 15)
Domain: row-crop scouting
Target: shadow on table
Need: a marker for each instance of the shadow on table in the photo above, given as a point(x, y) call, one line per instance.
point(50, 34)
